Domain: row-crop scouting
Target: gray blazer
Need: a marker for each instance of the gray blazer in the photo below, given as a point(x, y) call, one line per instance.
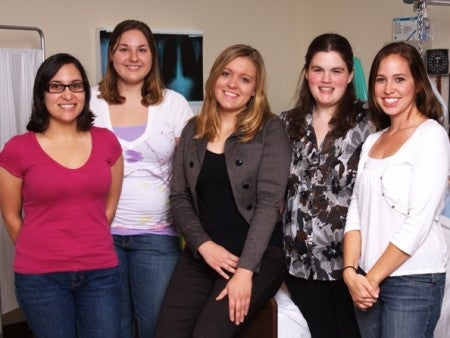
point(258, 172)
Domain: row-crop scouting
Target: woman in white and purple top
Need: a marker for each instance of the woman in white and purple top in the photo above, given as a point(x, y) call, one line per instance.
point(147, 119)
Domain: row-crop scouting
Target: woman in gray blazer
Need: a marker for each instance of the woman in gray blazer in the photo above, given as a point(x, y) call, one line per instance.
point(230, 175)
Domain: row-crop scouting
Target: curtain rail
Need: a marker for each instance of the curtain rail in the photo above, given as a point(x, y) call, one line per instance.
point(27, 28)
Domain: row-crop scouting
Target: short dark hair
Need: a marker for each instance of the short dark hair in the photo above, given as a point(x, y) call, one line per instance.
point(40, 117)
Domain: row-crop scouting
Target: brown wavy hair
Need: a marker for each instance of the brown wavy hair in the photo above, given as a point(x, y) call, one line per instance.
point(426, 101)
point(251, 119)
point(153, 88)
point(347, 109)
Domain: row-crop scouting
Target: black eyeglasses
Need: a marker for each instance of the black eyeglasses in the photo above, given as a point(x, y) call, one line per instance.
point(76, 87)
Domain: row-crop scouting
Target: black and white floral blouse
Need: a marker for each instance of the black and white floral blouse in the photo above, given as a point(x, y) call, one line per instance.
point(318, 195)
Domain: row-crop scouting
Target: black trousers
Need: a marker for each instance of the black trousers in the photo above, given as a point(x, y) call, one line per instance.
point(326, 306)
point(189, 308)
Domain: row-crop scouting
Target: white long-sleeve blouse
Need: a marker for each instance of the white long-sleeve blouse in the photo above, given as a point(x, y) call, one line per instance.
point(398, 200)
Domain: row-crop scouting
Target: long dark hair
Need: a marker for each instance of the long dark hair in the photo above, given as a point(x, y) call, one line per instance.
point(40, 116)
point(426, 101)
point(346, 111)
point(153, 88)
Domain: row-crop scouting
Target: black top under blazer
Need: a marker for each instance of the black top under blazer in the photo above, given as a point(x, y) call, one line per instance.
point(258, 172)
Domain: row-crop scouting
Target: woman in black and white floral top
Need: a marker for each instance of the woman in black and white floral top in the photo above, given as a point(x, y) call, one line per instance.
point(327, 128)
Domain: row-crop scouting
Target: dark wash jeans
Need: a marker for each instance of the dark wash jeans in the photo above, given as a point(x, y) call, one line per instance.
point(146, 265)
point(408, 306)
point(82, 304)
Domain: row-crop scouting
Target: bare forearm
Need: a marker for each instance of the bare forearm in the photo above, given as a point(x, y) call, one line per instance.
point(116, 187)
point(390, 260)
point(11, 203)
point(12, 226)
point(363, 294)
point(352, 248)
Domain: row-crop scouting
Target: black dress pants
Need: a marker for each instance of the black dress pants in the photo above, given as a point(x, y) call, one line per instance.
point(326, 305)
point(189, 308)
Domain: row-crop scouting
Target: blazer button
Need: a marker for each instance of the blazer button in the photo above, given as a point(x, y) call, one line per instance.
point(245, 186)
point(238, 163)
point(191, 164)
point(249, 207)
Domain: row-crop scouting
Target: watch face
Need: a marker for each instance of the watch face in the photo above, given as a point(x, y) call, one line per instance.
point(437, 61)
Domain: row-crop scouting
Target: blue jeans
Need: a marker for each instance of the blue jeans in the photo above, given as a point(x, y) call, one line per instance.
point(83, 304)
point(408, 306)
point(146, 265)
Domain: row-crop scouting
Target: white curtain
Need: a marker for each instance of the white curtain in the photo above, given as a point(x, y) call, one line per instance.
point(17, 72)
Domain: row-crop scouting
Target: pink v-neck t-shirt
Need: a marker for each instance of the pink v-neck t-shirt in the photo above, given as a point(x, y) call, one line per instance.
point(64, 210)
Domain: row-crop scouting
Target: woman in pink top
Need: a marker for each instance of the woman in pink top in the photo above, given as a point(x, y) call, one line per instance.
point(59, 187)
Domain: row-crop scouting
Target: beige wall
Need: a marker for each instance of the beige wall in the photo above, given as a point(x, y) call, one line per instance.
point(280, 29)
point(270, 26)
point(368, 25)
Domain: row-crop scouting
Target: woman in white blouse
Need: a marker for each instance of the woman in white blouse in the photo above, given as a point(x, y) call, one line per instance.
point(394, 249)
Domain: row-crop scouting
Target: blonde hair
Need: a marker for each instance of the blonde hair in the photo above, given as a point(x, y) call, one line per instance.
point(251, 119)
